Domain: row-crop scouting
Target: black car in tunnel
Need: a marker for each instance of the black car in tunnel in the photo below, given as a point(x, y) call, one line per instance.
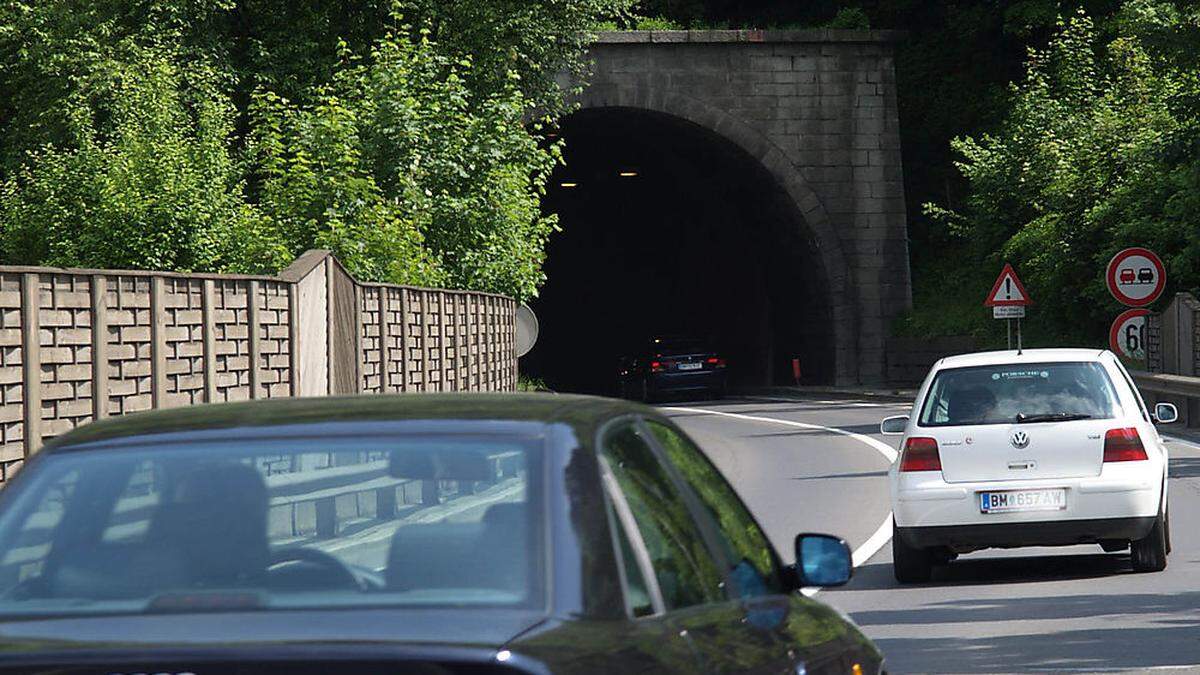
point(417, 534)
point(668, 366)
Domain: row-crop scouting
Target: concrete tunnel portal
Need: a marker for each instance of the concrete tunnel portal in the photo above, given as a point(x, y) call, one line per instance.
point(670, 229)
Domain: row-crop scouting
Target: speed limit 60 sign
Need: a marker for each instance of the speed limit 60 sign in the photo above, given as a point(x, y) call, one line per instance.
point(1127, 336)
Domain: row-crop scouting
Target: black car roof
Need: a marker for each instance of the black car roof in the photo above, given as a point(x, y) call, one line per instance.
point(577, 411)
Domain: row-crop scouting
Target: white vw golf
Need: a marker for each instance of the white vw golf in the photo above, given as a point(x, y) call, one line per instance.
point(1049, 447)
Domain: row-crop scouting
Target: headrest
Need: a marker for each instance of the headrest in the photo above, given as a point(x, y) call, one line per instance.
point(444, 464)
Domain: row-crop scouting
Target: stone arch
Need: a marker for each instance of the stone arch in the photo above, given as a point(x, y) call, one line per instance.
point(835, 266)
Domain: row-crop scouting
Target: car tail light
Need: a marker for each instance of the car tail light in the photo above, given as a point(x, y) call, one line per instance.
point(657, 367)
point(1123, 445)
point(715, 361)
point(920, 454)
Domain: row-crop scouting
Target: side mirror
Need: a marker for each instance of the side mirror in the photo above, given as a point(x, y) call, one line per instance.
point(1165, 413)
point(893, 426)
point(822, 560)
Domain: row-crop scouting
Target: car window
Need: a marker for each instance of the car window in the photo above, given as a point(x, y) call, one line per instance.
point(747, 548)
point(129, 520)
point(637, 592)
point(1137, 395)
point(421, 520)
point(1000, 394)
point(683, 566)
point(26, 550)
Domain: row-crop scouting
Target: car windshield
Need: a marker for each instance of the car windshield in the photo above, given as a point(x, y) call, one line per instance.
point(678, 346)
point(1024, 392)
point(260, 524)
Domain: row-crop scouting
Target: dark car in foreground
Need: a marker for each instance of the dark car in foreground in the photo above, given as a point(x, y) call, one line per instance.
point(416, 534)
point(672, 365)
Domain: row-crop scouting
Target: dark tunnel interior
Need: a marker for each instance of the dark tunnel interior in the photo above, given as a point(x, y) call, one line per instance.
point(670, 229)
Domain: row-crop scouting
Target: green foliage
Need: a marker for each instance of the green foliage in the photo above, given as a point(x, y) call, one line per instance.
point(406, 174)
point(230, 135)
point(1098, 152)
point(528, 383)
point(142, 175)
point(849, 17)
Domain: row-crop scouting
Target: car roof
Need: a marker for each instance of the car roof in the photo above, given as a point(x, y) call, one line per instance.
point(1012, 356)
point(577, 411)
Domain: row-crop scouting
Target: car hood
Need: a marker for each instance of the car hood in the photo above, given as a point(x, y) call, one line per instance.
point(480, 628)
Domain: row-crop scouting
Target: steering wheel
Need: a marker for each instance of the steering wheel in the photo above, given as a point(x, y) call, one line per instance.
point(339, 575)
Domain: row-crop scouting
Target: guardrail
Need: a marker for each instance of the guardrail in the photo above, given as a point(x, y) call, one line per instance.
point(1182, 390)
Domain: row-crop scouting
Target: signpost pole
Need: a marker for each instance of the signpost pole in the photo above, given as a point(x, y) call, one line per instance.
point(1018, 336)
point(1009, 325)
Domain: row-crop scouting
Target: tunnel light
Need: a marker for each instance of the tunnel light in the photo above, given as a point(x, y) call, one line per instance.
point(627, 174)
point(568, 184)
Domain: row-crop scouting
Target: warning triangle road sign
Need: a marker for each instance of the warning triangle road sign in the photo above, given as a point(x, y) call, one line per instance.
point(1008, 290)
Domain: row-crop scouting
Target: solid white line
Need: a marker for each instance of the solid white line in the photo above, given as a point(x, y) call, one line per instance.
point(883, 534)
point(1176, 439)
point(854, 403)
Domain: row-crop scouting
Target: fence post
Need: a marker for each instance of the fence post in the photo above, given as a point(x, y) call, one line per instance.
point(31, 362)
point(426, 357)
point(385, 339)
point(158, 345)
point(402, 312)
point(207, 330)
point(99, 290)
point(254, 339)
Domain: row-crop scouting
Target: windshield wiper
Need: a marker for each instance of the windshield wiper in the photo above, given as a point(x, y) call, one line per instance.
point(1022, 418)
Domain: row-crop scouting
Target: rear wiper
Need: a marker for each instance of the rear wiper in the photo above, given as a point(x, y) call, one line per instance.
point(1022, 418)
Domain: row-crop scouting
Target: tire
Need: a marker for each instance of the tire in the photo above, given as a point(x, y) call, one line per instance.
point(911, 565)
point(1149, 554)
point(1167, 529)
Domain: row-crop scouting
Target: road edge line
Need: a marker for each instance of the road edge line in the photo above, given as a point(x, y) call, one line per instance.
point(883, 534)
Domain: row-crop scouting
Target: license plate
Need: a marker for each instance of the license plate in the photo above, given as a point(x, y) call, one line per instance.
point(691, 366)
point(1004, 501)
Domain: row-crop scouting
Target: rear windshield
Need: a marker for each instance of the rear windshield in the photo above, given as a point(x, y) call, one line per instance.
point(261, 524)
point(1018, 392)
point(679, 346)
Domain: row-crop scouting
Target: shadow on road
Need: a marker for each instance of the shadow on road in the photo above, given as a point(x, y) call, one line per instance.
point(864, 429)
point(992, 571)
point(1129, 649)
point(860, 474)
point(1171, 640)
point(1185, 467)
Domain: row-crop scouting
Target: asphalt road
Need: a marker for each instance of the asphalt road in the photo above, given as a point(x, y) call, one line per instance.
point(1072, 609)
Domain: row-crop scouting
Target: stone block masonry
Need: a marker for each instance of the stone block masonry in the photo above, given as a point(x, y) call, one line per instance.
point(817, 108)
point(81, 345)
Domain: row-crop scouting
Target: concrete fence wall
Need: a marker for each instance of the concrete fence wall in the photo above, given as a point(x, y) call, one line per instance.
point(79, 345)
point(1173, 337)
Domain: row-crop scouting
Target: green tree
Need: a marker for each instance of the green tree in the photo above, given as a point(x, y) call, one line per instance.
point(1098, 152)
point(230, 135)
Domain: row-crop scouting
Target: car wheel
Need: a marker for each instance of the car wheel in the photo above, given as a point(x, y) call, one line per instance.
point(911, 565)
point(1149, 554)
point(1167, 529)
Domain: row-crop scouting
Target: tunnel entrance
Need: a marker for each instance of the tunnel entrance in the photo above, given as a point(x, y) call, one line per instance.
point(670, 229)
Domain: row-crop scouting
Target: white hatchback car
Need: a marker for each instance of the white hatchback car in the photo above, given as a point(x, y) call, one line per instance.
point(1047, 447)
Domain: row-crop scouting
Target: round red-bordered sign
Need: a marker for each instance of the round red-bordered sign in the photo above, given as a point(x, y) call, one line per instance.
point(1127, 336)
point(1136, 277)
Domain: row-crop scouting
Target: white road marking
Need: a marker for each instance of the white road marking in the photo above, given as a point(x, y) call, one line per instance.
point(853, 403)
point(1181, 441)
point(883, 534)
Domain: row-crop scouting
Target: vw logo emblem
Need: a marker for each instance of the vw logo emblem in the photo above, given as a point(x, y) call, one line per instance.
point(1020, 440)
